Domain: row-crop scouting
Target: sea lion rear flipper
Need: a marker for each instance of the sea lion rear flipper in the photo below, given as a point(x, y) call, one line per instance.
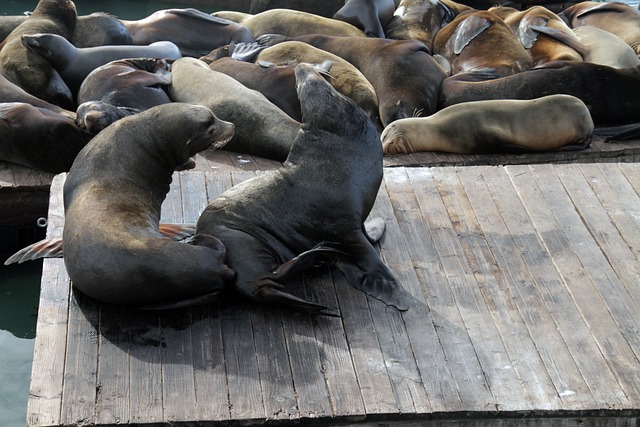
point(366, 271)
point(314, 257)
point(189, 302)
point(374, 229)
point(46, 248)
point(177, 231)
point(269, 291)
point(619, 133)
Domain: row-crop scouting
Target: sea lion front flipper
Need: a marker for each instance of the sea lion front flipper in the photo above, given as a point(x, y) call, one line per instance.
point(245, 52)
point(468, 30)
point(46, 248)
point(365, 271)
point(199, 15)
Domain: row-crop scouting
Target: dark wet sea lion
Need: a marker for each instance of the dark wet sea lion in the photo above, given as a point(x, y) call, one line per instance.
point(194, 32)
point(74, 64)
point(609, 93)
point(323, 193)
point(262, 129)
point(497, 126)
point(404, 75)
point(366, 15)
point(30, 71)
point(276, 82)
point(474, 40)
point(345, 77)
point(39, 138)
point(113, 249)
point(121, 88)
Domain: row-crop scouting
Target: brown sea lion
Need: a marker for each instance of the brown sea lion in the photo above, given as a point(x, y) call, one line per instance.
point(405, 76)
point(119, 181)
point(39, 138)
point(196, 33)
point(276, 225)
point(476, 40)
point(497, 126)
point(421, 20)
point(121, 88)
point(542, 48)
point(296, 23)
point(609, 93)
point(618, 18)
point(262, 129)
point(29, 70)
point(370, 16)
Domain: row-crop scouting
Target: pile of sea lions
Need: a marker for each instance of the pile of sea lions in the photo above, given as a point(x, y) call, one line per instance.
point(328, 97)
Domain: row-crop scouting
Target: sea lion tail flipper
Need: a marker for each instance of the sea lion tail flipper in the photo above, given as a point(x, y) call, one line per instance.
point(244, 51)
point(177, 232)
point(205, 299)
point(47, 248)
point(269, 291)
point(374, 229)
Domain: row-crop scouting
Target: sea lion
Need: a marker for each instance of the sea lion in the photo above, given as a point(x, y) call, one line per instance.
point(39, 138)
point(345, 77)
point(366, 15)
point(96, 29)
point(266, 221)
point(262, 129)
point(74, 64)
point(609, 93)
point(406, 78)
point(476, 40)
point(421, 20)
point(10, 92)
point(597, 46)
point(528, 24)
point(30, 71)
point(618, 18)
point(295, 23)
point(276, 82)
point(119, 181)
point(498, 126)
point(121, 88)
point(194, 32)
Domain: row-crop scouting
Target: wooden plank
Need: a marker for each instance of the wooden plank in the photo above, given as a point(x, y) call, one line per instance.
point(417, 272)
point(112, 400)
point(334, 357)
point(45, 392)
point(400, 360)
point(81, 362)
point(458, 194)
point(555, 220)
point(449, 296)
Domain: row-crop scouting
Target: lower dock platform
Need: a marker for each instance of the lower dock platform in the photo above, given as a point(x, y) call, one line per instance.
point(526, 311)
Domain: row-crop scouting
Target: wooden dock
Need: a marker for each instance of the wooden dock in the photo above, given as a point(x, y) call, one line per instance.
point(526, 311)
